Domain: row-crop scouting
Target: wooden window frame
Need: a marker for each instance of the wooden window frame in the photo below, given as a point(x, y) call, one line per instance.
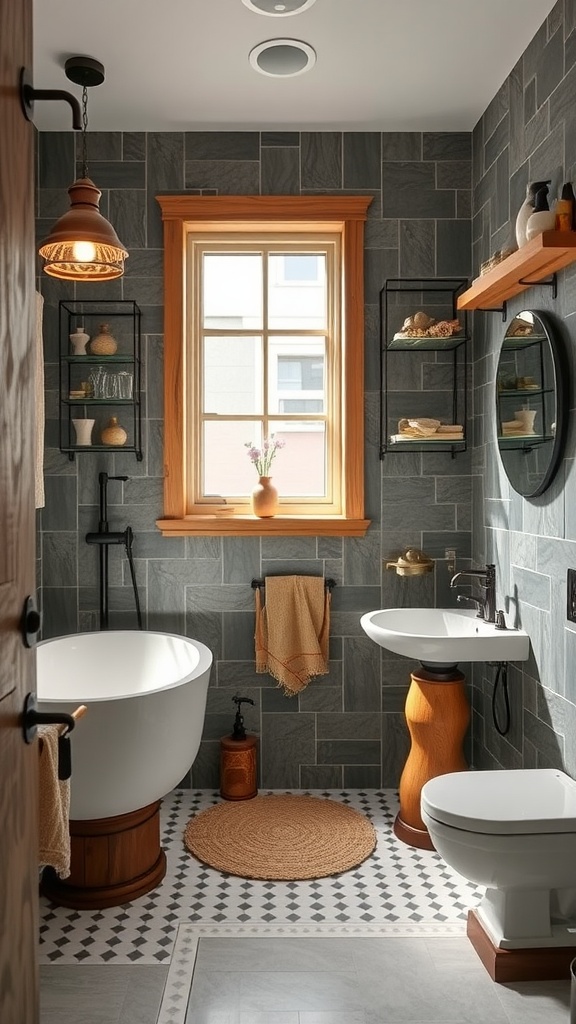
point(184, 213)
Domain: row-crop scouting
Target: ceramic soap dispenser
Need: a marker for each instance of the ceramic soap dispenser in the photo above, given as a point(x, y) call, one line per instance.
point(527, 209)
point(238, 765)
point(543, 218)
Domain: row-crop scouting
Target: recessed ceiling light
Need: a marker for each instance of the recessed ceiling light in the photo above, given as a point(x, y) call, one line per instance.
point(278, 8)
point(282, 58)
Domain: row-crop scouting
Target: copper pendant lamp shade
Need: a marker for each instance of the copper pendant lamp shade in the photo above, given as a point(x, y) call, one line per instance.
point(82, 245)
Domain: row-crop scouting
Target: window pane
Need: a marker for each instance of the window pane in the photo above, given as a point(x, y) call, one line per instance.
point(232, 290)
point(233, 375)
point(297, 291)
point(296, 371)
point(227, 467)
point(300, 405)
point(299, 469)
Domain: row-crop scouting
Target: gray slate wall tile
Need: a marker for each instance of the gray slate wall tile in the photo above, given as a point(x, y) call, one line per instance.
point(362, 687)
point(321, 156)
point(358, 752)
point(229, 177)
point(287, 742)
point(222, 145)
point(362, 159)
point(280, 172)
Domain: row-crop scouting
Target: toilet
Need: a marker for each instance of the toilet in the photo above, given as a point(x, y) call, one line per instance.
point(515, 833)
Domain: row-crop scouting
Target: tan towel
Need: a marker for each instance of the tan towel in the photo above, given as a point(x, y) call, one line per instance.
point(292, 630)
point(54, 806)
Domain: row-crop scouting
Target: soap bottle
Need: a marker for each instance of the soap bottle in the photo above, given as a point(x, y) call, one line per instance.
point(527, 209)
point(565, 209)
point(543, 218)
point(238, 765)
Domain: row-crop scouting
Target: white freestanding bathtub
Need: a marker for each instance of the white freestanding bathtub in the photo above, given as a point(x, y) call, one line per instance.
point(146, 695)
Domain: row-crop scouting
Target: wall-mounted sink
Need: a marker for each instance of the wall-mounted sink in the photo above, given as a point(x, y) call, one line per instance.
point(444, 635)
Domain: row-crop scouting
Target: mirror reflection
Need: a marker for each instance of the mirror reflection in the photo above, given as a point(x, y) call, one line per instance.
point(529, 406)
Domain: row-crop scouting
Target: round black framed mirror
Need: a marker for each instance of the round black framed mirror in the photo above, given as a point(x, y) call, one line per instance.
point(530, 402)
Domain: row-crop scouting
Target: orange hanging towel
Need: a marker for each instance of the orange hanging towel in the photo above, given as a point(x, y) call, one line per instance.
point(292, 630)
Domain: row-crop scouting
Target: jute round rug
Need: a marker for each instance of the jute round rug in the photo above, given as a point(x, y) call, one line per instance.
point(281, 837)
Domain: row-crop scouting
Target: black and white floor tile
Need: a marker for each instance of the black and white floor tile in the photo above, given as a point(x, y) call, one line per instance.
point(398, 890)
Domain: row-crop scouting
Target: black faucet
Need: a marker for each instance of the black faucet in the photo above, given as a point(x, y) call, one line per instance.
point(486, 604)
point(104, 537)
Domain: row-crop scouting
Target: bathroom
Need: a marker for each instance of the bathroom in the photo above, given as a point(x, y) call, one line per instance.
point(348, 729)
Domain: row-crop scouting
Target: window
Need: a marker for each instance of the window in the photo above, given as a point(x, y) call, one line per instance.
point(263, 335)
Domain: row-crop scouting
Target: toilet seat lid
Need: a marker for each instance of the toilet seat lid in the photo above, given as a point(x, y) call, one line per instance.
point(506, 802)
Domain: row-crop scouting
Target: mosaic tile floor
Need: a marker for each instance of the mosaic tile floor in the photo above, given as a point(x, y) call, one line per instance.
point(397, 890)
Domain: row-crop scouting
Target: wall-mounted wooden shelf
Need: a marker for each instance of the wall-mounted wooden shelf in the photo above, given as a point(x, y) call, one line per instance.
point(530, 265)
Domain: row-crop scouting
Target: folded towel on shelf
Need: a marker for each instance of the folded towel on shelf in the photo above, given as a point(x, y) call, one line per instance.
point(292, 630)
point(54, 805)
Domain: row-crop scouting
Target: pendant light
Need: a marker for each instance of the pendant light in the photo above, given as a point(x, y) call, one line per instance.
point(82, 245)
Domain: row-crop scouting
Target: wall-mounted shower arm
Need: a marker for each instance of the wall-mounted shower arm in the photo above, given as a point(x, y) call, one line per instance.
point(103, 479)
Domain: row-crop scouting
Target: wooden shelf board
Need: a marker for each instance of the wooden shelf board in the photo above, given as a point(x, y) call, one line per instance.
point(537, 260)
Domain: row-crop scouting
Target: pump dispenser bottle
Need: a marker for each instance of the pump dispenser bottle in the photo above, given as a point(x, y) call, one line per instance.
point(238, 764)
point(542, 219)
point(527, 209)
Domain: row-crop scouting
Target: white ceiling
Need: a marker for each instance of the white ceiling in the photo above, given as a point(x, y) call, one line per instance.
point(382, 65)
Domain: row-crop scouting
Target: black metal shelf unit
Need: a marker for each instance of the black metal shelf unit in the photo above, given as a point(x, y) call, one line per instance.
point(432, 384)
point(529, 347)
point(124, 317)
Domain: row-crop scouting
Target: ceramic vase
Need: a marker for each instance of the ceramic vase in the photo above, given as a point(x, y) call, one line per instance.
point(543, 220)
point(103, 344)
point(265, 498)
point(526, 417)
point(78, 340)
point(83, 431)
point(526, 210)
point(113, 433)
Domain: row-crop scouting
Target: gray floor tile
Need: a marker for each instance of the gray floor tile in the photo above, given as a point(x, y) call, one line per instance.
point(213, 992)
point(91, 994)
point(533, 1002)
point(271, 1017)
point(144, 994)
point(274, 954)
point(412, 989)
point(333, 1017)
point(101, 994)
point(453, 954)
point(300, 991)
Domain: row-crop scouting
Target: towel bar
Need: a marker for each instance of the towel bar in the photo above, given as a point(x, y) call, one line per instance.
point(64, 730)
point(329, 583)
point(64, 751)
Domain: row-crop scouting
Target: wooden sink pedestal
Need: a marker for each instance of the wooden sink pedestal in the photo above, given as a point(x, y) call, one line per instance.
point(437, 714)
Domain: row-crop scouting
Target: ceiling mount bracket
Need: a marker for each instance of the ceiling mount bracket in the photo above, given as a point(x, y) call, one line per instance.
point(84, 71)
point(28, 95)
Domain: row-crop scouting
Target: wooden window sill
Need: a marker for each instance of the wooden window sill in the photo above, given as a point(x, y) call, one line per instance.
point(251, 526)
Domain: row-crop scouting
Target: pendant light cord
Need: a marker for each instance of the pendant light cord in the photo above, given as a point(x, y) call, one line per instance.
point(84, 130)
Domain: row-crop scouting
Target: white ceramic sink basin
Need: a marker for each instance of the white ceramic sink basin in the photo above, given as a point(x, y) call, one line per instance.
point(444, 635)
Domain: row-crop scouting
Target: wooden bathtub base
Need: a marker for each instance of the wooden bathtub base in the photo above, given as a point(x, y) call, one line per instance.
point(113, 861)
point(550, 963)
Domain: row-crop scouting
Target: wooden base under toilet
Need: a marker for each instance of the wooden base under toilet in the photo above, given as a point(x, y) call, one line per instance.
point(545, 963)
point(113, 860)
